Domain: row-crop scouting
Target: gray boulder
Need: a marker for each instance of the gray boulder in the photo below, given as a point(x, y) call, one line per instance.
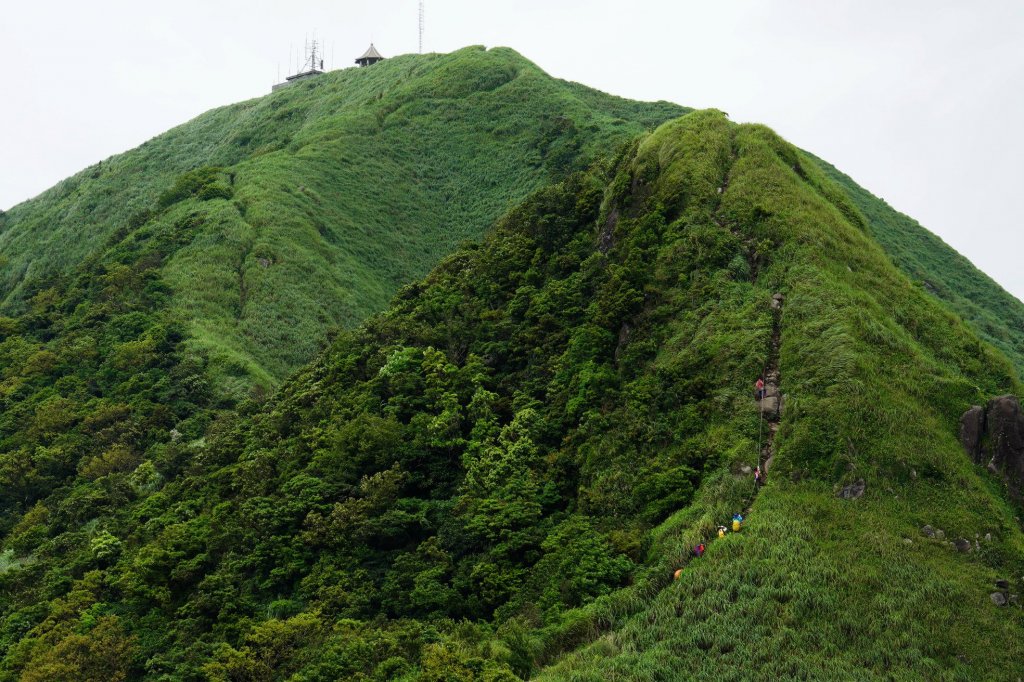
point(770, 406)
point(853, 491)
point(998, 598)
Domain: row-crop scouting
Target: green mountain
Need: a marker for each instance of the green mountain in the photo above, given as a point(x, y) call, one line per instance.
point(275, 220)
point(502, 475)
point(996, 315)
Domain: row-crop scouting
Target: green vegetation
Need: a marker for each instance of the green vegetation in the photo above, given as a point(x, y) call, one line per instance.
point(876, 374)
point(995, 315)
point(495, 478)
point(290, 215)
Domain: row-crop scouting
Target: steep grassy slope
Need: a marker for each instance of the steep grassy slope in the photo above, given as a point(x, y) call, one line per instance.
point(288, 215)
point(996, 315)
point(496, 478)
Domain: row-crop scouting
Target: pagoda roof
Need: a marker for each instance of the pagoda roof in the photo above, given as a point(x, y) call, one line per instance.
point(372, 53)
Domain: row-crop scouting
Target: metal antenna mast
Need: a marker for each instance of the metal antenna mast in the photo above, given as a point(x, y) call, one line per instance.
point(313, 55)
point(421, 26)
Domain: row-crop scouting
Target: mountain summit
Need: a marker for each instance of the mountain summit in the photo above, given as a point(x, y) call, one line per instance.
point(275, 220)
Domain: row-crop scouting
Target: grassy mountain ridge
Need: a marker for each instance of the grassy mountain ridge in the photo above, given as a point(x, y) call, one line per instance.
point(497, 475)
point(876, 374)
point(306, 209)
point(994, 313)
point(495, 478)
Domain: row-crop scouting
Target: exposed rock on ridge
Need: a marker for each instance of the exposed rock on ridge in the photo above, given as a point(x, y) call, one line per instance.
point(994, 436)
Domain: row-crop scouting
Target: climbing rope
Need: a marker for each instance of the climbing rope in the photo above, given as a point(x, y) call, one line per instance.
point(760, 405)
point(760, 427)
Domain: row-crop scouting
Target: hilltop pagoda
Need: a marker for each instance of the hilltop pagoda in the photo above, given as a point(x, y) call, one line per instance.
point(370, 57)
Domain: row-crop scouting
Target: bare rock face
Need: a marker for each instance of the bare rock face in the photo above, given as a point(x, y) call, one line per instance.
point(994, 436)
point(1004, 424)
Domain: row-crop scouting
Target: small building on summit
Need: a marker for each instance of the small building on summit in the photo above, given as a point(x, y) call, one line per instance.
point(370, 57)
point(314, 66)
point(302, 75)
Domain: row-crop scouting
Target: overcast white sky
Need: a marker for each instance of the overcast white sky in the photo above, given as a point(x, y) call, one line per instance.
point(921, 101)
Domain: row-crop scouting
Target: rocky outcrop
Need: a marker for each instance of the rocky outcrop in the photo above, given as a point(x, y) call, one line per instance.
point(993, 436)
point(1002, 595)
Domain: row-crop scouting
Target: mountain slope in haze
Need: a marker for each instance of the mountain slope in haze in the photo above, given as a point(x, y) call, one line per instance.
point(288, 215)
point(496, 477)
point(996, 315)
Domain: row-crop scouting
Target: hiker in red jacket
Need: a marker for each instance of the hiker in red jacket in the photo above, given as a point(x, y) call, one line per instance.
point(699, 550)
point(759, 388)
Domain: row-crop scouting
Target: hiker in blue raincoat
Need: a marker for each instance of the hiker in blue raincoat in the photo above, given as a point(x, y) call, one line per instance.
point(737, 522)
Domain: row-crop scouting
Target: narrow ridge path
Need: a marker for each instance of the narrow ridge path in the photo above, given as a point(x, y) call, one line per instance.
point(769, 406)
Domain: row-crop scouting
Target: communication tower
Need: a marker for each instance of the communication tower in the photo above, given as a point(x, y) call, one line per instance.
point(421, 26)
point(313, 65)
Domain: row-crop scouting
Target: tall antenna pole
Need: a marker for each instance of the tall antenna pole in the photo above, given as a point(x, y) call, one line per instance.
point(421, 26)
